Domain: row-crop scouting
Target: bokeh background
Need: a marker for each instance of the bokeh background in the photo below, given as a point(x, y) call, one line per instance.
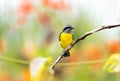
point(30, 29)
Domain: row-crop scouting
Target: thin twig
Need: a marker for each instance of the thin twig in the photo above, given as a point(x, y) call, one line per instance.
point(79, 39)
point(82, 63)
point(7, 59)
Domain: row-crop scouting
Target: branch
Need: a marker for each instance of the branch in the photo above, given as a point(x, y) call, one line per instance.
point(7, 59)
point(79, 39)
point(82, 63)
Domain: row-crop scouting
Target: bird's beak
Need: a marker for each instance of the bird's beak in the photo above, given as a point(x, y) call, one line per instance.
point(73, 28)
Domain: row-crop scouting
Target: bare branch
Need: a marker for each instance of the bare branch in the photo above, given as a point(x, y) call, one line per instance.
point(82, 38)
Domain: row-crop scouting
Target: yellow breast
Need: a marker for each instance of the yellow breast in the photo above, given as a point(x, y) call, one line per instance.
point(66, 39)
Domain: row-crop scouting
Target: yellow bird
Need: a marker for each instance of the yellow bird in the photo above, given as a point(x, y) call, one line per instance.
point(66, 38)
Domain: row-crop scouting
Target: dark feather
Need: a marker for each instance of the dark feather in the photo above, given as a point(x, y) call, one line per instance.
point(59, 36)
point(67, 54)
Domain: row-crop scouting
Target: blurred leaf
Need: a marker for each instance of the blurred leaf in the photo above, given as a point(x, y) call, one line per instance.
point(39, 69)
point(113, 63)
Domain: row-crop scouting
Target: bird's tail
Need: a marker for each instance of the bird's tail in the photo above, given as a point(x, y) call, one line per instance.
point(67, 54)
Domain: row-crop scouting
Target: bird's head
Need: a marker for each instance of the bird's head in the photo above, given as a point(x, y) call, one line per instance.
point(68, 28)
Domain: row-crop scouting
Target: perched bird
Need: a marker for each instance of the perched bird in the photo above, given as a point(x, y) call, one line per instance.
point(66, 38)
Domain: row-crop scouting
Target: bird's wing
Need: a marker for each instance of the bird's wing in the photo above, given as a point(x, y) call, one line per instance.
point(72, 37)
point(59, 36)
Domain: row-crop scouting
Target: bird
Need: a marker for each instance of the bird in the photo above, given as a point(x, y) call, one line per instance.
point(66, 38)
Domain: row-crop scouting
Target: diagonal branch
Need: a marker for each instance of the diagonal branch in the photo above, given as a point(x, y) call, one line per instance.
point(81, 38)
